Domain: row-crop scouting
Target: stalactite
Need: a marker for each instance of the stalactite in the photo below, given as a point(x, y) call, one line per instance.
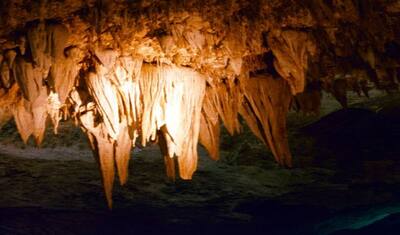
point(127, 74)
point(166, 148)
point(106, 160)
point(166, 102)
point(61, 80)
point(30, 81)
point(338, 88)
point(53, 109)
point(110, 138)
point(6, 78)
point(105, 96)
point(183, 112)
point(28, 78)
point(8, 100)
point(151, 85)
point(24, 120)
point(265, 107)
point(358, 81)
point(9, 57)
point(39, 114)
point(103, 149)
point(292, 50)
point(63, 72)
point(226, 98)
point(210, 125)
point(123, 146)
point(368, 55)
point(38, 43)
point(5, 75)
point(47, 42)
point(57, 39)
point(309, 101)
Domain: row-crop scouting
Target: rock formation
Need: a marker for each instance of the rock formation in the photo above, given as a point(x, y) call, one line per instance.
point(173, 71)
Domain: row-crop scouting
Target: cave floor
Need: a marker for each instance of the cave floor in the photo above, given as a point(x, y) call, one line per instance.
point(57, 190)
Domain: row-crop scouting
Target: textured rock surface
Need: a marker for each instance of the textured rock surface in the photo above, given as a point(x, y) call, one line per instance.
point(170, 71)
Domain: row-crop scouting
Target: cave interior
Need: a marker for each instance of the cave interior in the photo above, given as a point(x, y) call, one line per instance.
point(250, 114)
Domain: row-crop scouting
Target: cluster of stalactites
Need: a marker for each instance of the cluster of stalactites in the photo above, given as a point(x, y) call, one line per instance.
point(130, 100)
point(263, 101)
point(118, 99)
point(44, 68)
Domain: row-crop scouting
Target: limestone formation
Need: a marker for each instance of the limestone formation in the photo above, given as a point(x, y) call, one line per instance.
point(173, 72)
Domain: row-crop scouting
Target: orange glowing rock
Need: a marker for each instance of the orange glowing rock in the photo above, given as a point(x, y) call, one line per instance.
point(266, 105)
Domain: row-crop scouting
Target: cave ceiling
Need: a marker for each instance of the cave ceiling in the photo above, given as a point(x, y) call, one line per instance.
point(132, 72)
